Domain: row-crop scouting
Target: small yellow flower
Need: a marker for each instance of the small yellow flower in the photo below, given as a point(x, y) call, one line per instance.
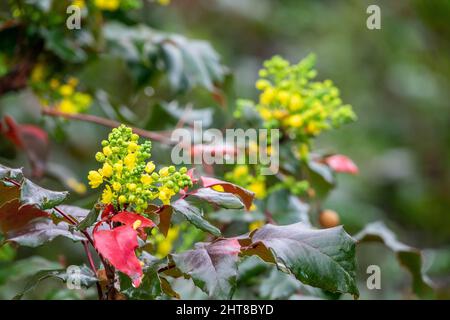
point(172, 234)
point(109, 5)
point(116, 186)
point(130, 161)
point(296, 102)
point(95, 179)
point(132, 147)
point(255, 225)
point(265, 113)
point(267, 96)
point(107, 196)
point(66, 90)
point(164, 172)
point(259, 188)
point(146, 179)
point(283, 97)
point(107, 151)
point(79, 3)
point(107, 170)
point(164, 248)
point(295, 121)
point(240, 171)
point(262, 84)
point(150, 167)
point(67, 106)
point(118, 167)
point(77, 186)
point(131, 186)
point(122, 199)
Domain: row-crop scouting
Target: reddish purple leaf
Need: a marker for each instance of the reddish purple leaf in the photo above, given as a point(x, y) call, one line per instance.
point(30, 138)
point(246, 195)
point(342, 164)
point(130, 218)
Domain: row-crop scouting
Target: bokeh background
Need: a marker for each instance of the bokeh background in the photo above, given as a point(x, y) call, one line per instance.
point(397, 79)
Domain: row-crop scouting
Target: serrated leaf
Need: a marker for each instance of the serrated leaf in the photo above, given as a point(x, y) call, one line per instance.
point(34, 195)
point(212, 266)
point(15, 174)
point(41, 230)
point(222, 199)
point(81, 275)
point(409, 257)
point(320, 258)
point(195, 216)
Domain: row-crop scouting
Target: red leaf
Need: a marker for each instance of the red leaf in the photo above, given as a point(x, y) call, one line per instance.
point(30, 138)
point(117, 246)
point(14, 216)
point(341, 163)
point(246, 195)
point(129, 218)
point(108, 211)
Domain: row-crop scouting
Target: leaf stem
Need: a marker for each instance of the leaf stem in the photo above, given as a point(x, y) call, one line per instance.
point(107, 123)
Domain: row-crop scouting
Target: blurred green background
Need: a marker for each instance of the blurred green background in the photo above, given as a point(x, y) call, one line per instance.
point(397, 79)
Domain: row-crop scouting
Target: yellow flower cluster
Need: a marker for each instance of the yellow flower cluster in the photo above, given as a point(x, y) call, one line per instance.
point(131, 181)
point(291, 100)
point(71, 101)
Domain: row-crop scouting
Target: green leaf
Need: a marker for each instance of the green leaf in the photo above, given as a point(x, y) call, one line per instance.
point(32, 194)
point(287, 209)
point(89, 219)
point(41, 230)
point(153, 284)
point(212, 266)
point(278, 285)
point(320, 258)
point(409, 257)
point(222, 199)
point(82, 276)
point(321, 178)
point(24, 268)
point(195, 216)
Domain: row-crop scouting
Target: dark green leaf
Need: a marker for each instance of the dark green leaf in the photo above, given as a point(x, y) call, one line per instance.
point(409, 257)
point(89, 219)
point(195, 216)
point(212, 266)
point(42, 230)
point(222, 199)
point(78, 276)
point(32, 194)
point(321, 258)
point(25, 267)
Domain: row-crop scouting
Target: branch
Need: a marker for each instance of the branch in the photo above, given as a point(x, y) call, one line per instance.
point(107, 123)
